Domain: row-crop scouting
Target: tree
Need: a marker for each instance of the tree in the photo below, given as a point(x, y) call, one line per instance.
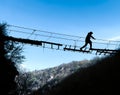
point(24, 83)
point(10, 56)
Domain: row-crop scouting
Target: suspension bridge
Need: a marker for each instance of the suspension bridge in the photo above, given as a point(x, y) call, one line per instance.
point(65, 42)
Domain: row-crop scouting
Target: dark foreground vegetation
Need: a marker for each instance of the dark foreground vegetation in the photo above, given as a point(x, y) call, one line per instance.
point(10, 56)
point(102, 78)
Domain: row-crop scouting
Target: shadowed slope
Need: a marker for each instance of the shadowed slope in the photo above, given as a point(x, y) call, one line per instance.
point(102, 78)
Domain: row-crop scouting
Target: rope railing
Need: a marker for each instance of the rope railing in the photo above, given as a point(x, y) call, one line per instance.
point(74, 41)
point(63, 38)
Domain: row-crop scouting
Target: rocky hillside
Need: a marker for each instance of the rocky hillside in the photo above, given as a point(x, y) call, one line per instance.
point(47, 78)
point(102, 78)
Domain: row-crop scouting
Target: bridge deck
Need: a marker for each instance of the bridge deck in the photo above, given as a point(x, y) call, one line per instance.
point(100, 51)
point(33, 42)
point(42, 43)
point(105, 50)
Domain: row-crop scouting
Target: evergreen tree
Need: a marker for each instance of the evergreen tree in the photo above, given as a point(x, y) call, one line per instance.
point(10, 56)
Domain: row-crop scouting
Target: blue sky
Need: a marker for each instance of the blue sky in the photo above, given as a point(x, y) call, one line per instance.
point(73, 17)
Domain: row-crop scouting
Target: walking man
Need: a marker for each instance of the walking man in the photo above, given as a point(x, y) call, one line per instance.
point(88, 41)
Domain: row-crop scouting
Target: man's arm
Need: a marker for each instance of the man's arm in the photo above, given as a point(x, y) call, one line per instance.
point(93, 37)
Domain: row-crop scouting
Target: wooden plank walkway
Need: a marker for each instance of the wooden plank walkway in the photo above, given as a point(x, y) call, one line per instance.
point(32, 42)
point(64, 47)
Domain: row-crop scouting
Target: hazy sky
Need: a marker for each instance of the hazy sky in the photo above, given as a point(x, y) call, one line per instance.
point(73, 17)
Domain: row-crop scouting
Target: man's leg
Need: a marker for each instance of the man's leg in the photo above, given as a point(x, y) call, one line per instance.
point(90, 44)
point(84, 45)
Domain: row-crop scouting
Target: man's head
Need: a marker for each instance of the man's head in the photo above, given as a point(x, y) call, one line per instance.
point(91, 32)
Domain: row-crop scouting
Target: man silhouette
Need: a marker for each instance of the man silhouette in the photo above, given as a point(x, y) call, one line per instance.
point(88, 41)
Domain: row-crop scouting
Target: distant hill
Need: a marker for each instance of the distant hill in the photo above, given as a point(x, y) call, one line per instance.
point(47, 78)
point(102, 78)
